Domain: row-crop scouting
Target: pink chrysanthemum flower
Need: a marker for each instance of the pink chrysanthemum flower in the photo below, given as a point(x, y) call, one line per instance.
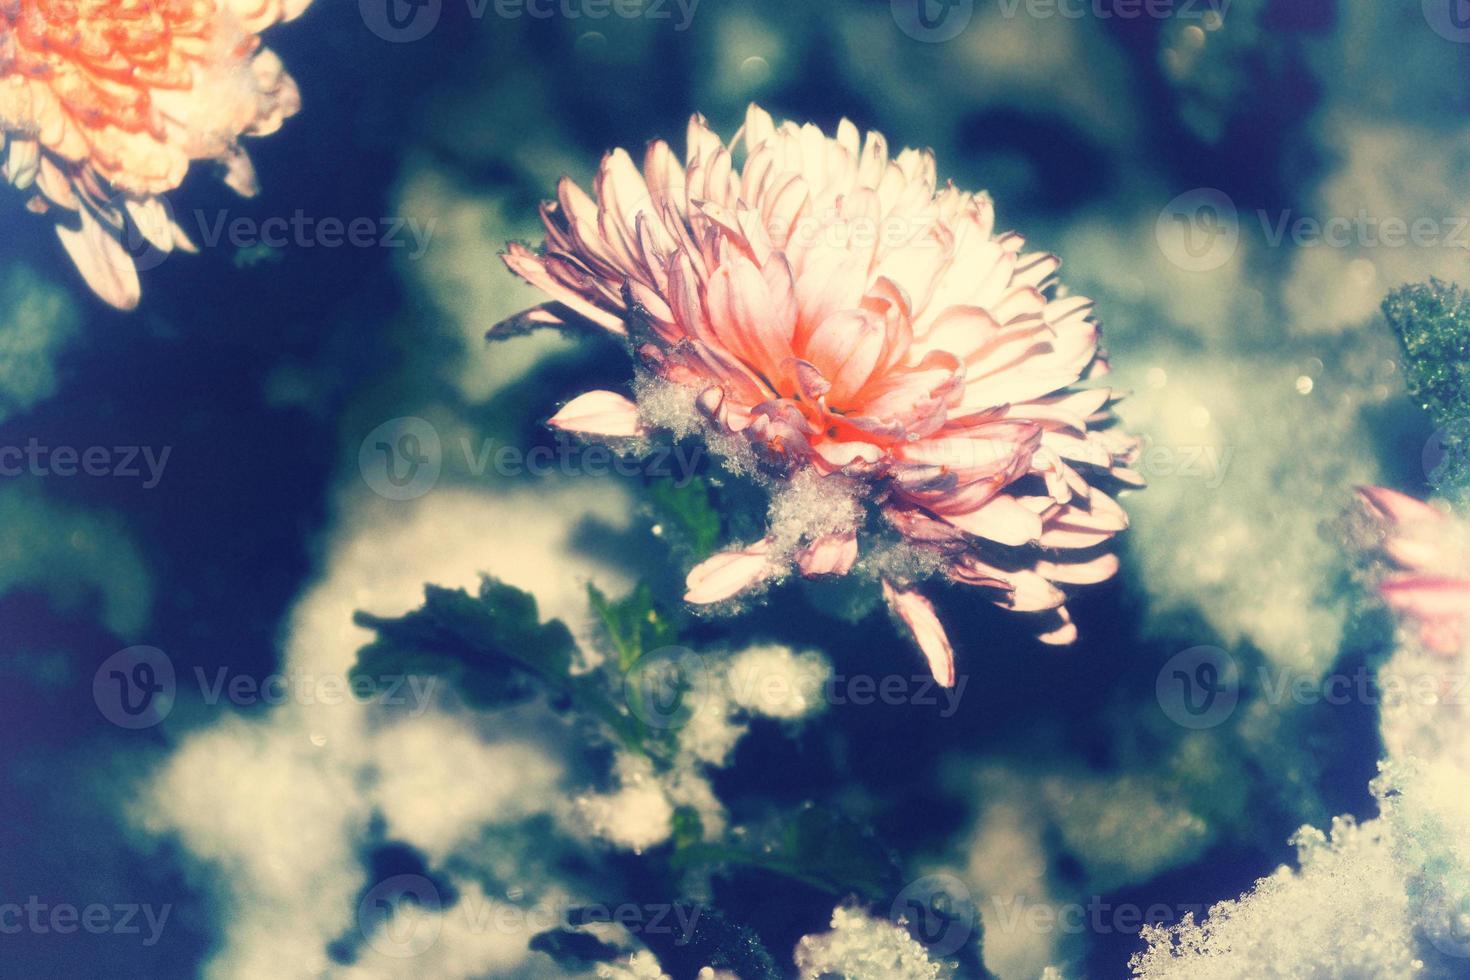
point(105, 103)
point(1430, 550)
point(857, 324)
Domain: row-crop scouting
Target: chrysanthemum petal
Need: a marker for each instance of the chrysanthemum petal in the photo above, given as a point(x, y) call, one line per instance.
point(599, 413)
point(728, 574)
point(917, 613)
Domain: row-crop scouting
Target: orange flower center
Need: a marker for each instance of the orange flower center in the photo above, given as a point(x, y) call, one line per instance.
point(102, 59)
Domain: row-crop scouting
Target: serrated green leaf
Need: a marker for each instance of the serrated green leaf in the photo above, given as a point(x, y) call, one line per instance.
point(493, 646)
point(690, 517)
point(818, 847)
point(634, 625)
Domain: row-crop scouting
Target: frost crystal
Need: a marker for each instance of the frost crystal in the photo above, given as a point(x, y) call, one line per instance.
point(861, 947)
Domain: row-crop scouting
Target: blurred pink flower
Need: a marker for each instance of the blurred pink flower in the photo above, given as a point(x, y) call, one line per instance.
point(105, 103)
point(1430, 584)
point(846, 316)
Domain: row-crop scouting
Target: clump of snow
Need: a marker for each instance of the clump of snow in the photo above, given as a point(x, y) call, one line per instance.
point(638, 814)
point(767, 680)
point(808, 506)
point(863, 947)
point(36, 321)
point(1248, 459)
point(1007, 865)
point(1394, 183)
point(439, 782)
point(1123, 829)
point(713, 728)
point(73, 554)
point(642, 965)
point(273, 812)
point(1343, 914)
point(461, 234)
point(477, 935)
point(778, 682)
point(665, 405)
point(1119, 828)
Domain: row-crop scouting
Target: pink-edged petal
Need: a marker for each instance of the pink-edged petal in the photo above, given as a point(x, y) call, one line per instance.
point(527, 321)
point(845, 348)
point(1031, 593)
point(1398, 508)
point(1090, 572)
point(830, 554)
point(105, 265)
point(532, 268)
point(917, 613)
point(1002, 519)
point(599, 413)
point(1428, 596)
point(1064, 634)
point(728, 574)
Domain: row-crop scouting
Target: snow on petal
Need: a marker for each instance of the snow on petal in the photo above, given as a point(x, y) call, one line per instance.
point(599, 413)
point(932, 376)
point(728, 574)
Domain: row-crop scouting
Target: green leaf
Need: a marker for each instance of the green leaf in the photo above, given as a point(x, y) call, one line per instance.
point(493, 647)
point(572, 949)
point(691, 520)
point(820, 848)
point(1432, 321)
point(688, 828)
point(634, 625)
point(714, 940)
